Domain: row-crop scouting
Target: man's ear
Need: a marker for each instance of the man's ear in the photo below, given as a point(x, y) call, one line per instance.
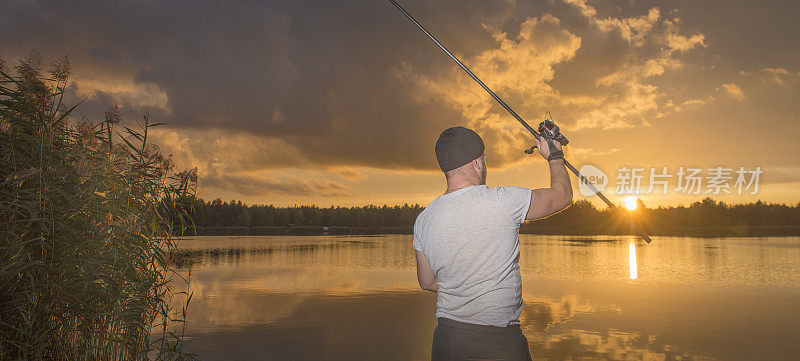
point(479, 164)
point(476, 163)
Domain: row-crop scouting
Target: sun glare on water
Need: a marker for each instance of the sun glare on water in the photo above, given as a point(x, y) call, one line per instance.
point(630, 203)
point(632, 261)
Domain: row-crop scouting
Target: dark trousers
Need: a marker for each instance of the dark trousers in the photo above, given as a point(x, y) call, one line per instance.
point(459, 341)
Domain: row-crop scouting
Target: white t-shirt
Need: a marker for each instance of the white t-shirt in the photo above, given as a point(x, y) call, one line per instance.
point(471, 240)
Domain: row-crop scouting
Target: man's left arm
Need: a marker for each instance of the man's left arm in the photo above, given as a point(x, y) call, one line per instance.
point(427, 280)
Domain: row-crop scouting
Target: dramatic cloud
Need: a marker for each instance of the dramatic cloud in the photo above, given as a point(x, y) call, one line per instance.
point(593, 72)
point(315, 82)
point(310, 97)
point(520, 66)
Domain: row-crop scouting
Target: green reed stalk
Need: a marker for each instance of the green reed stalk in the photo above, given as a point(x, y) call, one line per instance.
point(86, 229)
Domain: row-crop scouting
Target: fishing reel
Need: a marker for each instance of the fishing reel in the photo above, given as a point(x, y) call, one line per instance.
point(550, 132)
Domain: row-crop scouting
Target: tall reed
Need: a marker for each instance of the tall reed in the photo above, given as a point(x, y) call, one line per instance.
point(84, 237)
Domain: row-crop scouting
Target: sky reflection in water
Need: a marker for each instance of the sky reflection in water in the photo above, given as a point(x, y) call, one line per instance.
point(356, 298)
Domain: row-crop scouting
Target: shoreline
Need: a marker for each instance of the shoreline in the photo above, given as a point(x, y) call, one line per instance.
point(692, 231)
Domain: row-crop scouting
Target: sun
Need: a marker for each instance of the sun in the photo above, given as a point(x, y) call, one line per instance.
point(630, 203)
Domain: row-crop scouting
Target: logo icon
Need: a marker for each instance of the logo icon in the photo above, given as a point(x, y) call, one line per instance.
point(595, 176)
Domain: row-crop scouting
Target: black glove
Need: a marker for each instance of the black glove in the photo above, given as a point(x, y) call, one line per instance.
point(555, 153)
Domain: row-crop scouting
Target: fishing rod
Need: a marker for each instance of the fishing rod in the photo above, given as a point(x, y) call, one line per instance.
point(547, 129)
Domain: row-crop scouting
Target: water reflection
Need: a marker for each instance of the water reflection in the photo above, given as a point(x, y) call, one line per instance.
point(632, 260)
point(332, 251)
point(606, 345)
point(356, 298)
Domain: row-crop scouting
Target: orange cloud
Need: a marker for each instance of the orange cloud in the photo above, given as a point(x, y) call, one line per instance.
point(779, 75)
point(679, 43)
point(734, 91)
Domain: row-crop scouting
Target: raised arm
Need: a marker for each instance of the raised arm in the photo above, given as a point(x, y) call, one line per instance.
point(427, 280)
point(548, 201)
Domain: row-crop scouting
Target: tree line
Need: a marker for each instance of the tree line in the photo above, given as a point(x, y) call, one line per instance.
point(705, 216)
point(234, 213)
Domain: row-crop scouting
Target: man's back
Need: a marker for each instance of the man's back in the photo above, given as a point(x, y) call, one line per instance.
point(470, 238)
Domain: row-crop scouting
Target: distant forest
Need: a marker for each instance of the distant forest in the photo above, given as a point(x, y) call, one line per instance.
point(703, 218)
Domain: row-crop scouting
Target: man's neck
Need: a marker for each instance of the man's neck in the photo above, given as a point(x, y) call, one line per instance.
point(456, 184)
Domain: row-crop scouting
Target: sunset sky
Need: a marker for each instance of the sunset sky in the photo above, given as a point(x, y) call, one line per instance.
point(341, 102)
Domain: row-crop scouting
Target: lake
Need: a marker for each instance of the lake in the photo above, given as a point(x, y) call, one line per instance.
point(603, 297)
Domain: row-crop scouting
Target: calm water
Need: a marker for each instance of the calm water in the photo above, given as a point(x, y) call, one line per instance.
point(356, 298)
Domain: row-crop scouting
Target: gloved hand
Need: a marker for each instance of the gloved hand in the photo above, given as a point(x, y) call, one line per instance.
point(549, 149)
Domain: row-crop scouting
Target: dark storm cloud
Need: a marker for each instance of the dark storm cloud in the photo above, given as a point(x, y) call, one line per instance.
point(316, 75)
point(351, 83)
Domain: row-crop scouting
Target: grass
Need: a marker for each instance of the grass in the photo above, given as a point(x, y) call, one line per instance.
point(87, 212)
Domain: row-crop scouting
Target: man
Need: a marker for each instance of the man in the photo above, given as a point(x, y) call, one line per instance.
point(467, 249)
